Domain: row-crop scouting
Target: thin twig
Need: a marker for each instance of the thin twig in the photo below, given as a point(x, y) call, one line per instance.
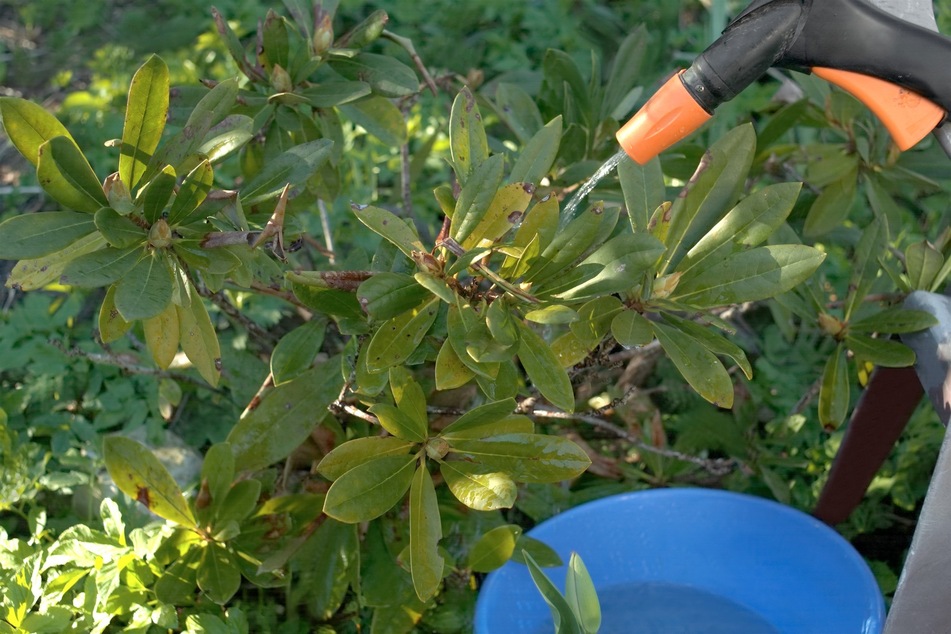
point(714, 466)
point(256, 399)
point(405, 183)
point(254, 329)
point(287, 296)
point(807, 398)
point(126, 364)
point(325, 227)
point(407, 44)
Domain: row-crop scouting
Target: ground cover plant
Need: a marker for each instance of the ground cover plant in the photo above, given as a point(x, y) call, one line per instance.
point(334, 271)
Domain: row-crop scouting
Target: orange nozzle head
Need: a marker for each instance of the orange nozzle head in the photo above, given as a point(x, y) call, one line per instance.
point(667, 117)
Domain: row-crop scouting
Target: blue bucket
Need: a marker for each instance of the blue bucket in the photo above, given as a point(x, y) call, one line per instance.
point(725, 562)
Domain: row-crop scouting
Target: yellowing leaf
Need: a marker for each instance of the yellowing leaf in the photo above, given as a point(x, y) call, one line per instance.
point(425, 531)
point(140, 475)
point(198, 338)
point(145, 116)
point(162, 336)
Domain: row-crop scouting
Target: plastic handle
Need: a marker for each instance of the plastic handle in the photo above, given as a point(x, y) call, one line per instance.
point(908, 116)
point(667, 117)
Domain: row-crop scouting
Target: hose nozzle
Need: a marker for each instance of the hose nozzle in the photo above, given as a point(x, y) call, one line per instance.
point(669, 116)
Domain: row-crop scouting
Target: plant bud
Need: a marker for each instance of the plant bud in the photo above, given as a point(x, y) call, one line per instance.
point(118, 194)
point(323, 34)
point(365, 32)
point(280, 79)
point(831, 325)
point(437, 448)
point(160, 235)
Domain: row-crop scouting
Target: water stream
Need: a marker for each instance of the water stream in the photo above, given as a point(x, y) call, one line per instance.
point(606, 168)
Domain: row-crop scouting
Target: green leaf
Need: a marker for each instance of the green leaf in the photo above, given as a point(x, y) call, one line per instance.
point(335, 93)
point(543, 369)
point(177, 583)
point(198, 338)
point(380, 117)
point(145, 116)
point(460, 320)
point(643, 188)
point(882, 352)
point(581, 595)
point(359, 451)
point(467, 141)
point(276, 49)
point(625, 72)
point(518, 110)
point(409, 397)
point(210, 111)
point(111, 324)
point(217, 470)
point(491, 419)
point(65, 174)
point(832, 206)
point(538, 155)
point(293, 166)
point(387, 76)
point(700, 367)
point(450, 371)
point(425, 531)
point(32, 274)
point(551, 315)
point(865, 265)
point(623, 259)
point(371, 489)
point(714, 342)
point(571, 242)
point(226, 137)
point(386, 295)
point(36, 235)
point(118, 230)
point(564, 618)
point(316, 294)
point(391, 227)
point(544, 555)
point(895, 320)
point(399, 423)
point(747, 276)
point(834, 390)
point(398, 338)
point(239, 502)
point(710, 191)
point(478, 486)
point(101, 268)
point(595, 319)
point(140, 475)
point(476, 197)
point(191, 194)
point(747, 225)
point(146, 289)
point(218, 574)
point(162, 334)
point(922, 262)
point(535, 233)
point(29, 125)
point(631, 329)
point(503, 213)
point(296, 350)
point(285, 418)
point(494, 548)
point(525, 457)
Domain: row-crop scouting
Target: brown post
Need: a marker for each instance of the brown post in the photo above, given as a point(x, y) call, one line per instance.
point(881, 415)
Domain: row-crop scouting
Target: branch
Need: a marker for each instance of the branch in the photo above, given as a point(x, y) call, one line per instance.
point(127, 363)
point(714, 466)
point(407, 44)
